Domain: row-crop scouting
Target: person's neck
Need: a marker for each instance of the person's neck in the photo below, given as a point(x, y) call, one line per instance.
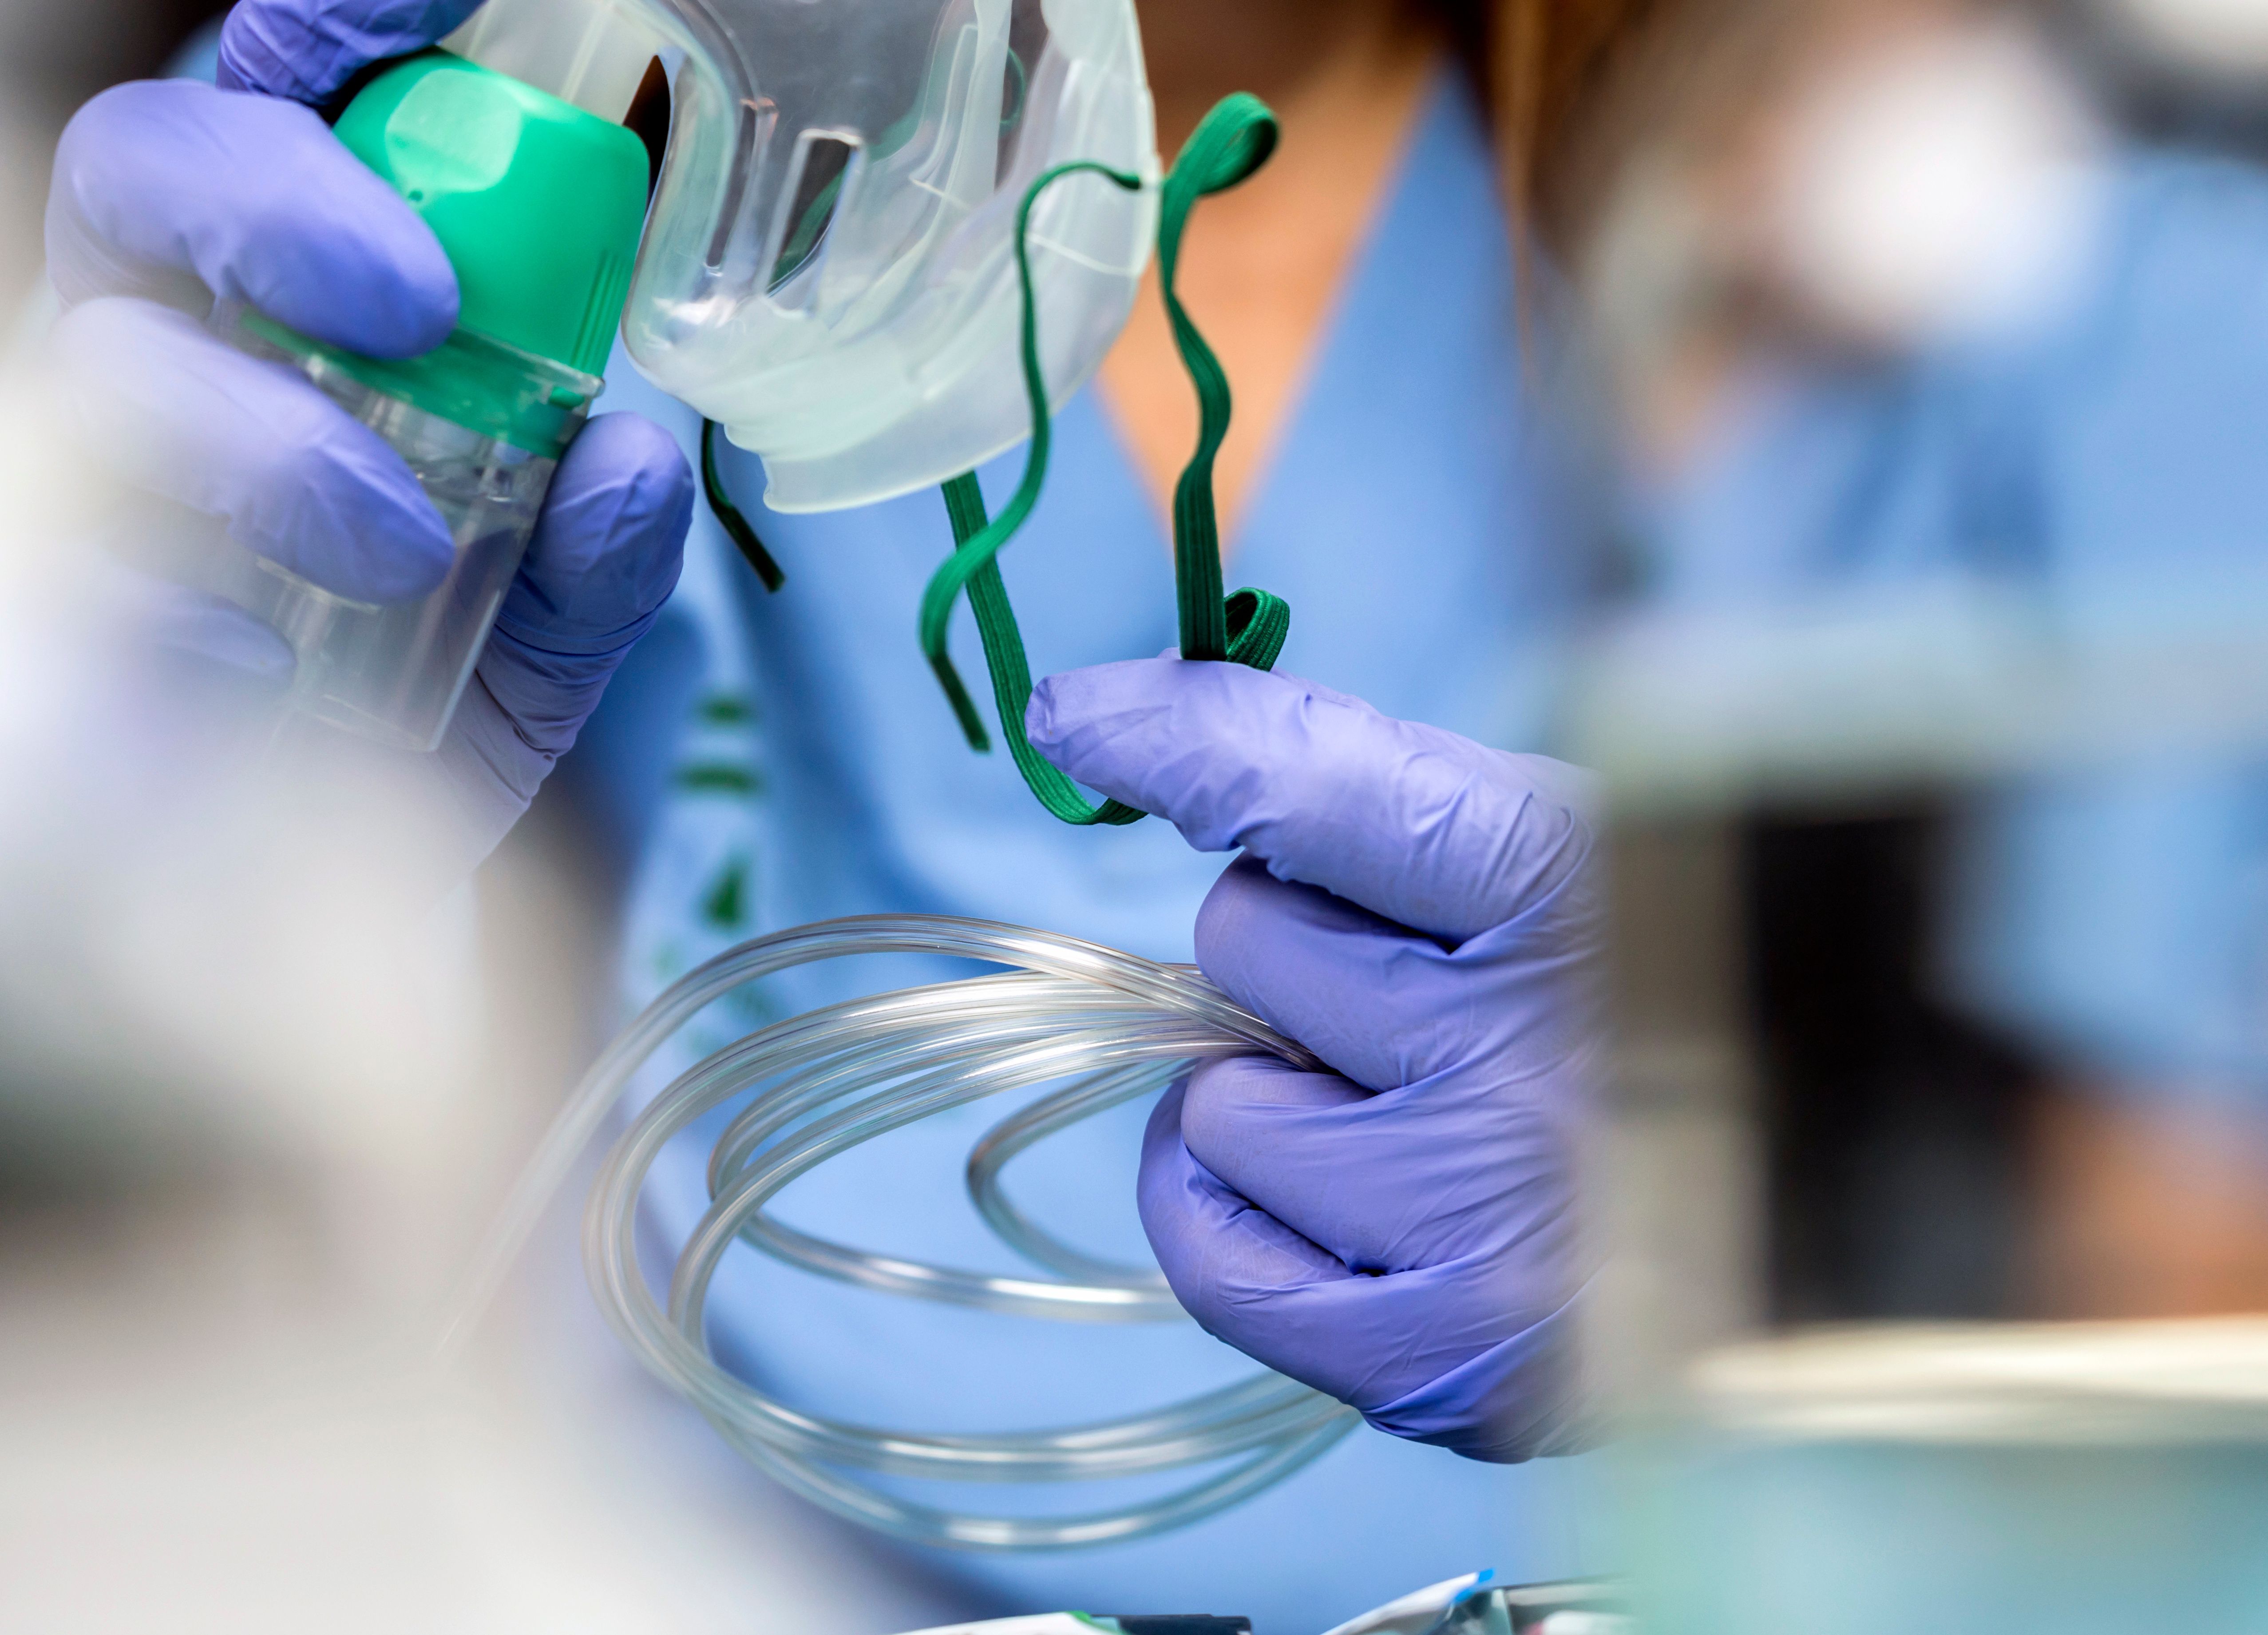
point(1264, 261)
point(1290, 54)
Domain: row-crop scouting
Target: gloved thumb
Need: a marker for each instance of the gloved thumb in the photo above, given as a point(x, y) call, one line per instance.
point(1431, 830)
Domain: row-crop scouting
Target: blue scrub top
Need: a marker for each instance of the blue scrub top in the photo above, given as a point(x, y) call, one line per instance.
point(2112, 453)
point(1420, 517)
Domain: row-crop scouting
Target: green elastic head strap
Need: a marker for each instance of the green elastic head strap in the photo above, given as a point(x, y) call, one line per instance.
point(1229, 144)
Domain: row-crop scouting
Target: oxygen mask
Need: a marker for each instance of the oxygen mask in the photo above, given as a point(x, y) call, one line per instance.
point(830, 265)
point(886, 240)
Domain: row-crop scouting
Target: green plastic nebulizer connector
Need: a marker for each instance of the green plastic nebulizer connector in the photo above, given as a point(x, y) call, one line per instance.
point(539, 206)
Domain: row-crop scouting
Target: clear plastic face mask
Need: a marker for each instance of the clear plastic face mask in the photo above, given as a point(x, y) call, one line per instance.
point(829, 268)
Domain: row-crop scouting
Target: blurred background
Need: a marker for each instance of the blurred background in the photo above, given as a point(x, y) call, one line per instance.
point(1936, 332)
point(54, 61)
point(1939, 1161)
point(1928, 673)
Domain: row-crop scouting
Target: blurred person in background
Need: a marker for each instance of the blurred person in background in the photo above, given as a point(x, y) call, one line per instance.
point(1906, 293)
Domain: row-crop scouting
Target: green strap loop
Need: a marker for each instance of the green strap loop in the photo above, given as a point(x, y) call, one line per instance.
point(1012, 672)
point(1256, 623)
point(973, 553)
point(1231, 142)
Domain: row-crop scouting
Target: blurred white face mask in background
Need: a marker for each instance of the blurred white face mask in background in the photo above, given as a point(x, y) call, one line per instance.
point(829, 266)
point(1942, 182)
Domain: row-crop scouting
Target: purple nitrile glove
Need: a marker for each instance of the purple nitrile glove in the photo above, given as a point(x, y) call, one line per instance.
point(308, 50)
point(168, 196)
point(1421, 913)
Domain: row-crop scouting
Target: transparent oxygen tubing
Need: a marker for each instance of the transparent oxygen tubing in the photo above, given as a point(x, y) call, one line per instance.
point(1108, 1026)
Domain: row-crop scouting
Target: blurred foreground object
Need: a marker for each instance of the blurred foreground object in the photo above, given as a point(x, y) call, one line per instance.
point(2072, 1478)
point(250, 1107)
point(1938, 774)
point(1899, 1475)
point(1468, 1605)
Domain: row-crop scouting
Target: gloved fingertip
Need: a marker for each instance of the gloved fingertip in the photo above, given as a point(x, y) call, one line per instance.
point(189, 624)
point(1040, 720)
point(292, 49)
point(387, 562)
point(1237, 893)
point(1166, 1196)
point(346, 511)
point(299, 481)
point(1183, 1213)
point(1226, 1103)
point(250, 59)
point(1080, 719)
point(1053, 709)
point(412, 562)
point(418, 313)
point(254, 197)
point(1250, 916)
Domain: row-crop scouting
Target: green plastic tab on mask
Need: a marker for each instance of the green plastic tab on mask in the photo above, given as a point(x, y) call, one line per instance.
point(538, 204)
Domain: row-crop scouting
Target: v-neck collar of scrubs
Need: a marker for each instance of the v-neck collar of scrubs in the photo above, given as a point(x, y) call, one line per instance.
point(1444, 115)
point(1407, 441)
point(1447, 130)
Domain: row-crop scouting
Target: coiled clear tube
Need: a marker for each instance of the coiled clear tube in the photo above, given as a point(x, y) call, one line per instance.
point(818, 1084)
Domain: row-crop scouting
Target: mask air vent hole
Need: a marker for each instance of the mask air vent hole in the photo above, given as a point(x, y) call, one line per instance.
point(822, 165)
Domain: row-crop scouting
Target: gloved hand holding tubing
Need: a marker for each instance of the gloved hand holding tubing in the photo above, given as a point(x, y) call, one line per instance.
point(1422, 914)
point(168, 196)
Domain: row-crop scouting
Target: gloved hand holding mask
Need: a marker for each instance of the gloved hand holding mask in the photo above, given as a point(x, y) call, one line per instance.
point(170, 196)
point(1421, 913)
point(860, 329)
